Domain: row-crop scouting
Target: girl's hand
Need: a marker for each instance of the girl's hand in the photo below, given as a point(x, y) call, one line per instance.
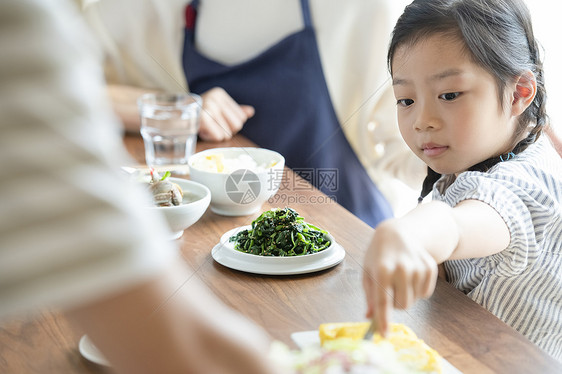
point(398, 271)
point(221, 116)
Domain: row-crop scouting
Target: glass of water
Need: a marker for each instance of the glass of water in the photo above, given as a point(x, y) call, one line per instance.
point(169, 126)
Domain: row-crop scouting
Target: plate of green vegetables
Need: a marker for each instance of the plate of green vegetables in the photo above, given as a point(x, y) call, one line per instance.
point(278, 242)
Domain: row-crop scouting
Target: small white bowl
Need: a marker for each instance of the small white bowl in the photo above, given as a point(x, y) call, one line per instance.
point(196, 200)
point(239, 192)
point(225, 254)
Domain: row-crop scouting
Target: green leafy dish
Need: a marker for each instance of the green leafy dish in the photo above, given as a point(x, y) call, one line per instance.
point(281, 233)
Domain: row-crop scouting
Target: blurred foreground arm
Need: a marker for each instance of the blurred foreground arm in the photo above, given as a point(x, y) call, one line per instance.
point(74, 233)
point(168, 325)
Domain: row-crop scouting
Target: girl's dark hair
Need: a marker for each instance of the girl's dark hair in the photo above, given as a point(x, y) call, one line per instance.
point(498, 35)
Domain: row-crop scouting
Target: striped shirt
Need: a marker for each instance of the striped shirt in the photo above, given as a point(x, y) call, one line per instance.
point(521, 285)
point(71, 230)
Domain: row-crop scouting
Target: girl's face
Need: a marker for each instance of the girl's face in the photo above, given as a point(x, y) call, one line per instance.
point(448, 107)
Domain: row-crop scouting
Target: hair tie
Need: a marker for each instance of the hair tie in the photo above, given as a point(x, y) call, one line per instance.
point(509, 156)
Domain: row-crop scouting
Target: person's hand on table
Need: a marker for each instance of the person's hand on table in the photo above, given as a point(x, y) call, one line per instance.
point(222, 117)
point(397, 272)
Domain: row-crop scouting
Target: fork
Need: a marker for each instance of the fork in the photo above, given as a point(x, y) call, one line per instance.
point(373, 328)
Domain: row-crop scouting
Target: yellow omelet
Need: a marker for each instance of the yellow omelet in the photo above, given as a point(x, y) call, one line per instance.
point(410, 349)
point(218, 160)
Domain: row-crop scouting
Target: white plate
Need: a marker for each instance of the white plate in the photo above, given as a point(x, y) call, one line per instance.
point(225, 254)
point(306, 338)
point(143, 170)
point(90, 352)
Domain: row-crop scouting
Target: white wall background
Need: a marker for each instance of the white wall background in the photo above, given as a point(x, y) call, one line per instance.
point(546, 18)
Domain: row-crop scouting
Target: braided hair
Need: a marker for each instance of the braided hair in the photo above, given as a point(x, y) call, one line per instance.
point(498, 35)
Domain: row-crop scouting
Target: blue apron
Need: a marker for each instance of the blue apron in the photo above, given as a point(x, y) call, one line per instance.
point(294, 114)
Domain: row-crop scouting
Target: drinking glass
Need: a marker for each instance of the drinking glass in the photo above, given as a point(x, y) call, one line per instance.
point(169, 126)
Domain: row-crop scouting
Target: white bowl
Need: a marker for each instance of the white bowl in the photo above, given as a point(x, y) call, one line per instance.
point(196, 200)
point(225, 254)
point(239, 192)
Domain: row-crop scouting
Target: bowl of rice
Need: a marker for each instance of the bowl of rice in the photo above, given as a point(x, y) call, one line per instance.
point(240, 179)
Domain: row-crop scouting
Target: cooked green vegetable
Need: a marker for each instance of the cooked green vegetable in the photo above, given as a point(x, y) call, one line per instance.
point(281, 232)
point(166, 175)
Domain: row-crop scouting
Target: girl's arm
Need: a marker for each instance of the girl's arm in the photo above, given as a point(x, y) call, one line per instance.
point(401, 262)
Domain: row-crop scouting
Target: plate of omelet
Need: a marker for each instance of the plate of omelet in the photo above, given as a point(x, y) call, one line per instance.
point(340, 348)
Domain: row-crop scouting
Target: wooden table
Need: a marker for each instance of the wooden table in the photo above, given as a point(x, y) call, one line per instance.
point(467, 335)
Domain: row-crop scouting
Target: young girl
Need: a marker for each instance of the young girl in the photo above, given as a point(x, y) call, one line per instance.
point(470, 95)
